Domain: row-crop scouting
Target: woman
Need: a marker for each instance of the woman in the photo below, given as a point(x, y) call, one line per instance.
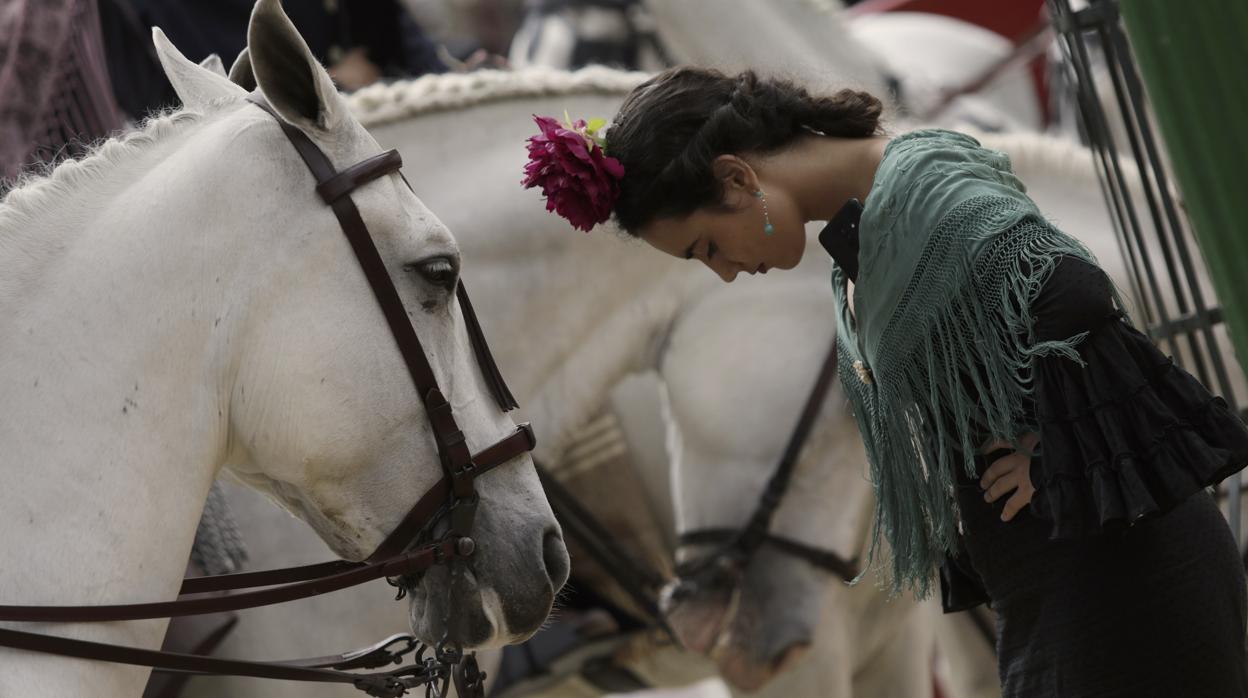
point(1025, 440)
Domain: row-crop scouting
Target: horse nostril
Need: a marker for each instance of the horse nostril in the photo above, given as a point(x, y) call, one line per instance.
point(555, 555)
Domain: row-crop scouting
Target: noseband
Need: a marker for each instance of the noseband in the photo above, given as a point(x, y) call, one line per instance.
point(407, 551)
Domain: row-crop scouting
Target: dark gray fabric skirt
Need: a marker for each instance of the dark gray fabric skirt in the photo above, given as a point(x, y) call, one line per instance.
point(1121, 579)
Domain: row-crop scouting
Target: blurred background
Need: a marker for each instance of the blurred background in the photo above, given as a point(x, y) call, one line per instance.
point(76, 70)
point(1054, 83)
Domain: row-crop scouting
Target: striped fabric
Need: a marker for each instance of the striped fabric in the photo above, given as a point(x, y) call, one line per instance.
point(54, 78)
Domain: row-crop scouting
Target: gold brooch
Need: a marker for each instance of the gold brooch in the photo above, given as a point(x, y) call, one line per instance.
point(864, 373)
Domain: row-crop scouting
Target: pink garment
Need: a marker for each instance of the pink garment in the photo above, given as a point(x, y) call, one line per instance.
point(55, 94)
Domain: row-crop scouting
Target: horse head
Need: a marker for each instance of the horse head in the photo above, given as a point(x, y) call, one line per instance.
point(319, 410)
point(756, 613)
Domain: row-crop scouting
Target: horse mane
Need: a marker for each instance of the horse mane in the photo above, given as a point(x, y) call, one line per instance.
point(47, 187)
point(380, 104)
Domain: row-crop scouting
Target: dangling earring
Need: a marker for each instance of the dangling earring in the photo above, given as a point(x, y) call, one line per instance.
point(768, 228)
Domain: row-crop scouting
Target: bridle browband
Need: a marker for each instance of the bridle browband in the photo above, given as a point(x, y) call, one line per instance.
point(734, 548)
point(401, 554)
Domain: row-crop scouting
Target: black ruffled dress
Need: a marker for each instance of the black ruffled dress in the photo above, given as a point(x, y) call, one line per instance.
point(1121, 579)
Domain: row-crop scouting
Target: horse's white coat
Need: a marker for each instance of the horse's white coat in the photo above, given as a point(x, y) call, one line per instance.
point(181, 303)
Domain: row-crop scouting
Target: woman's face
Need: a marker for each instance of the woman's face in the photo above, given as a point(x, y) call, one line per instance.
point(731, 239)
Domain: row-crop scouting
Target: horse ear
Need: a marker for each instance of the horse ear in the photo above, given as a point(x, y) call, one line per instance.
point(296, 85)
point(241, 73)
point(213, 63)
point(195, 85)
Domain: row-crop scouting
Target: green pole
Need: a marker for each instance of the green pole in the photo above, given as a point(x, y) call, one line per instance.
point(1193, 58)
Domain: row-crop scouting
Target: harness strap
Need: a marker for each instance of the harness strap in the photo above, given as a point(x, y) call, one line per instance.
point(634, 576)
point(521, 441)
point(824, 559)
point(329, 183)
point(383, 684)
point(421, 559)
point(359, 174)
point(506, 401)
point(298, 582)
point(742, 544)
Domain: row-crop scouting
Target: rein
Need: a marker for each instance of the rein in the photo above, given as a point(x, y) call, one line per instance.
point(404, 551)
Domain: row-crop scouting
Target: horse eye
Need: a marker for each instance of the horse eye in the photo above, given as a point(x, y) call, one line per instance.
point(439, 271)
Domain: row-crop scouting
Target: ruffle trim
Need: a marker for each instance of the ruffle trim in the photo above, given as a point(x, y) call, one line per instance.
point(1126, 435)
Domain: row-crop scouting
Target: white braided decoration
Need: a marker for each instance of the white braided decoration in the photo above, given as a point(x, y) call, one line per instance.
point(379, 104)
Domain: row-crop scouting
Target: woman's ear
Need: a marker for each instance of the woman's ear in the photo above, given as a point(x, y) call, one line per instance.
point(735, 175)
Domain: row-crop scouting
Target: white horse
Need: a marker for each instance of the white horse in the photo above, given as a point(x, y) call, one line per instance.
point(180, 304)
point(600, 304)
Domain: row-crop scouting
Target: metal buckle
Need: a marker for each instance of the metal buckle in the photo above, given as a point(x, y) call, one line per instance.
point(379, 654)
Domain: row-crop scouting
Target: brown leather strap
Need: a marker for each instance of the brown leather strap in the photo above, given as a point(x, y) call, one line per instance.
point(298, 582)
point(379, 684)
point(521, 441)
point(375, 271)
point(358, 175)
point(388, 651)
point(633, 575)
point(498, 386)
point(740, 546)
point(826, 560)
point(419, 560)
point(756, 530)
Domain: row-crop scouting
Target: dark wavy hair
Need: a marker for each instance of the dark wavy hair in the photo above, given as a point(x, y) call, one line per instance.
point(671, 128)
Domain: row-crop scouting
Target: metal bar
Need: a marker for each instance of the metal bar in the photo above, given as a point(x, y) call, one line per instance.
point(1109, 35)
point(1104, 152)
point(1191, 322)
point(1194, 53)
point(1138, 100)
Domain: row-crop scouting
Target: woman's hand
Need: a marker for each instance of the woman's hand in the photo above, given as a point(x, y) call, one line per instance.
point(1010, 473)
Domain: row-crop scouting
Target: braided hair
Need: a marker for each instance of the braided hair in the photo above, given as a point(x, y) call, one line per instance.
point(671, 128)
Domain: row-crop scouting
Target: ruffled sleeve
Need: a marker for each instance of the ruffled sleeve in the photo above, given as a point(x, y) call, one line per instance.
point(1125, 435)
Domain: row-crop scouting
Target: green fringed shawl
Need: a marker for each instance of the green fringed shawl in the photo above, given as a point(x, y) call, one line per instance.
point(938, 354)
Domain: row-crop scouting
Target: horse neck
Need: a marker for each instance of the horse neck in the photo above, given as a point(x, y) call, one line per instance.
point(112, 367)
point(625, 296)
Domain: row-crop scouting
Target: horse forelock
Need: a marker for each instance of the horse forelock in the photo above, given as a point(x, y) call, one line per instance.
point(380, 104)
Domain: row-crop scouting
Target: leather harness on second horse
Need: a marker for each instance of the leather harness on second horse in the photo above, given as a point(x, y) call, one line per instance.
point(731, 549)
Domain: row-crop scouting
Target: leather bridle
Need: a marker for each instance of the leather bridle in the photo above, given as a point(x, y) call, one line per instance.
point(406, 551)
point(732, 549)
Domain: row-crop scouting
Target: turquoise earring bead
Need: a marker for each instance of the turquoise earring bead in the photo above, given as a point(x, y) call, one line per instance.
point(768, 228)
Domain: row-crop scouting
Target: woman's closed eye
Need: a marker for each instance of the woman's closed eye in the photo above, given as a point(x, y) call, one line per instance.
point(711, 249)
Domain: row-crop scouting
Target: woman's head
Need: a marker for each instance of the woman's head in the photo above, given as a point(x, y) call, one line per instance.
point(690, 140)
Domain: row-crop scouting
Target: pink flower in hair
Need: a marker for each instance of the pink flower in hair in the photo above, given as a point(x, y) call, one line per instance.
point(579, 180)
